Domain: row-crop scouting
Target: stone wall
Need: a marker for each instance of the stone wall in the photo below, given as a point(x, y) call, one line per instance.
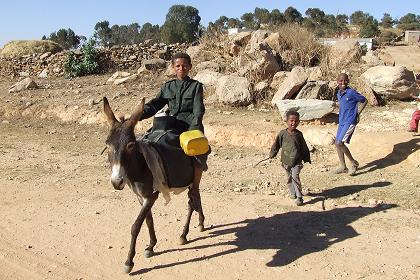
point(116, 58)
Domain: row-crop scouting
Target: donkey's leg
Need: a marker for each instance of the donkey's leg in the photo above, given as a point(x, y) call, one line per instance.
point(183, 237)
point(148, 252)
point(194, 194)
point(135, 229)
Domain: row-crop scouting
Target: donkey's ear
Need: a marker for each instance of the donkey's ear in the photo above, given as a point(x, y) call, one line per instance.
point(136, 115)
point(108, 113)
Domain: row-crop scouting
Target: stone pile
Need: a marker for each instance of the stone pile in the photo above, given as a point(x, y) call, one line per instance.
point(116, 58)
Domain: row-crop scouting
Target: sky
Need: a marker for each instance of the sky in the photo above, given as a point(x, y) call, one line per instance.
point(29, 19)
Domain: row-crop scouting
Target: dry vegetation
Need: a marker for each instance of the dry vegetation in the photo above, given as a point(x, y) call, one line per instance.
point(29, 47)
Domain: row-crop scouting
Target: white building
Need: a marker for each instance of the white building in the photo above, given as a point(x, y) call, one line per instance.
point(412, 36)
point(368, 42)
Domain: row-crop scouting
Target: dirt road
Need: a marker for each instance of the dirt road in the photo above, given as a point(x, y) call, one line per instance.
point(61, 219)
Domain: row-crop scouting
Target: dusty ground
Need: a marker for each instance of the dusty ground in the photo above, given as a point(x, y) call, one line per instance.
point(408, 56)
point(61, 219)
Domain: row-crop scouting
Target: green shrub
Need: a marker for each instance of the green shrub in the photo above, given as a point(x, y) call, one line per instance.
point(86, 64)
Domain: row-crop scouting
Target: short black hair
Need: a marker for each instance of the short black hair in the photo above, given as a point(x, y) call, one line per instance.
point(292, 113)
point(181, 55)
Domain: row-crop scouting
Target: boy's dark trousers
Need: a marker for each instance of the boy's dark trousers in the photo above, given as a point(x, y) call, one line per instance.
point(293, 180)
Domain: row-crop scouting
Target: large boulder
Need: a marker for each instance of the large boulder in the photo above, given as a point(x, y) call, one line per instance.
point(291, 85)
point(208, 77)
point(309, 109)
point(233, 90)
point(24, 84)
point(273, 40)
point(240, 39)
point(259, 64)
point(29, 47)
point(211, 65)
point(278, 78)
point(315, 90)
point(257, 39)
point(344, 52)
point(371, 59)
point(393, 82)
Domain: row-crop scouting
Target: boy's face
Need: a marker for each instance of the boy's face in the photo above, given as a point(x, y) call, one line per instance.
point(343, 82)
point(181, 67)
point(292, 122)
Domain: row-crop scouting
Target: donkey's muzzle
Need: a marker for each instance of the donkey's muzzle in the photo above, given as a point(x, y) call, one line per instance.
point(117, 183)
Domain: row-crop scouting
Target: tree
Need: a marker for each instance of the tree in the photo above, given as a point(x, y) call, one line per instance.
point(248, 21)
point(358, 17)
point(262, 16)
point(292, 15)
point(149, 31)
point(369, 28)
point(315, 15)
point(181, 25)
point(277, 17)
point(65, 38)
point(103, 33)
point(342, 21)
point(409, 22)
point(387, 21)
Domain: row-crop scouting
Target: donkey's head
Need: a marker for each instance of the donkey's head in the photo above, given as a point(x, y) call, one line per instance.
point(121, 143)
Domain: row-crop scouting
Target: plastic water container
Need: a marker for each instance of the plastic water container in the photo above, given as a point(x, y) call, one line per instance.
point(194, 143)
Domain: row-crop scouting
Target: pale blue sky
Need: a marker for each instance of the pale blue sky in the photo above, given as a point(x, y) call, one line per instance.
point(30, 19)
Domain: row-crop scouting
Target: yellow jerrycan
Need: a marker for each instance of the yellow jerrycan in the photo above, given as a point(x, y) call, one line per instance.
point(194, 143)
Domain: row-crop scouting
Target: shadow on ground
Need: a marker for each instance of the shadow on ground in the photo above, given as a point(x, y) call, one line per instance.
point(292, 235)
point(343, 191)
point(399, 153)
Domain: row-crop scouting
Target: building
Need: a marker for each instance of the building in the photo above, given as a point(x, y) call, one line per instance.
point(370, 43)
point(412, 36)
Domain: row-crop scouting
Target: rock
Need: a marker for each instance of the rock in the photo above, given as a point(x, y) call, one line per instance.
point(364, 88)
point(132, 57)
point(117, 75)
point(154, 64)
point(207, 65)
point(261, 86)
point(371, 59)
point(26, 83)
point(291, 85)
point(208, 77)
point(240, 39)
point(257, 42)
point(278, 78)
point(394, 82)
point(43, 74)
point(23, 74)
point(233, 90)
point(315, 73)
point(343, 53)
point(273, 40)
point(258, 65)
point(315, 90)
point(309, 109)
point(126, 79)
point(45, 55)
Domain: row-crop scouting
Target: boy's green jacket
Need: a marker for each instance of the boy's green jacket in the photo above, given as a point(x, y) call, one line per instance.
point(293, 148)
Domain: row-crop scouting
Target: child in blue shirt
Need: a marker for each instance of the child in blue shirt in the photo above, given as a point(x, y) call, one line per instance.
point(348, 117)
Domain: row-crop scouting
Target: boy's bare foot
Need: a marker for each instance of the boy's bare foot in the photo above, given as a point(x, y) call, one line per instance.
point(341, 170)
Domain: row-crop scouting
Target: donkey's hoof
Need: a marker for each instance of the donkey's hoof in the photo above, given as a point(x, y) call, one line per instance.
point(183, 240)
point(148, 253)
point(201, 228)
point(128, 268)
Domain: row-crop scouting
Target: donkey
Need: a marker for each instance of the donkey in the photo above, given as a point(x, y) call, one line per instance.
point(133, 163)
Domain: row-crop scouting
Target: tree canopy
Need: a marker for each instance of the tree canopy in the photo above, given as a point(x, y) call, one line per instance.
point(65, 38)
point(181, 25)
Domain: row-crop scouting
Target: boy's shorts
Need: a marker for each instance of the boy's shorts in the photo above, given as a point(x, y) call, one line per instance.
point(344, 133)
